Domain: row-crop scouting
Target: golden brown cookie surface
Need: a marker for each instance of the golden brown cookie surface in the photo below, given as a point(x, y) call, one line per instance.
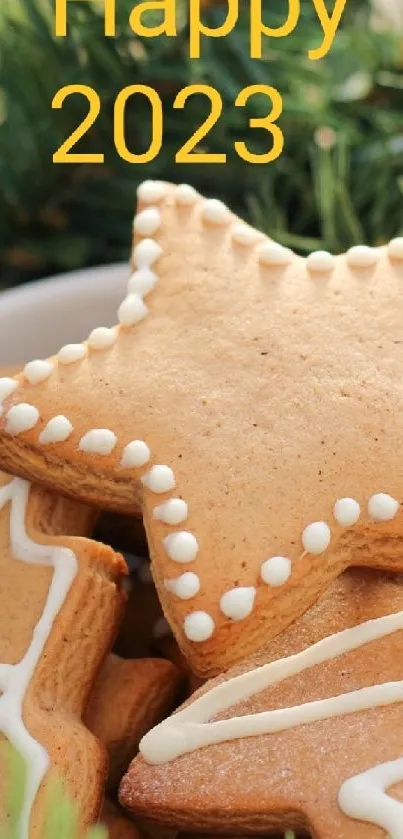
point(117, 825)
point(60, 603)
point(249, 405)
point(129, 697)
point(331, 772)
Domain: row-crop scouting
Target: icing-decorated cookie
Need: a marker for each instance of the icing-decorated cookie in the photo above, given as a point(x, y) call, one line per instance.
point(129, 697)
point(60, 604)
point(307, 734)
point(248, 405)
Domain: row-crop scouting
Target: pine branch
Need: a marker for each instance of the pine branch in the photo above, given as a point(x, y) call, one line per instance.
point(330, 189)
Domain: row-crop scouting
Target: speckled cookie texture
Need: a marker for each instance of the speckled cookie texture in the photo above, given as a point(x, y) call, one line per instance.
point(61, 601)
point(294, 778)
point(129, 697)
point(248, 404)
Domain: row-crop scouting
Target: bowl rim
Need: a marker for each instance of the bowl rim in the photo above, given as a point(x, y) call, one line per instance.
point(95, 275)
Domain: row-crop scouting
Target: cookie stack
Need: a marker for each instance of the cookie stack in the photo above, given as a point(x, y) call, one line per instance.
point(247, 410)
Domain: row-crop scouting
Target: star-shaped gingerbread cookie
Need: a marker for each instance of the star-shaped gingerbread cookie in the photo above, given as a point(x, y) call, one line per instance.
point(305, 735)
point(248, 405)
point(61, 601)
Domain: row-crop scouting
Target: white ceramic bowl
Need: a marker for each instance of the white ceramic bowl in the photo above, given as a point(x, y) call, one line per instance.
point(39, 318)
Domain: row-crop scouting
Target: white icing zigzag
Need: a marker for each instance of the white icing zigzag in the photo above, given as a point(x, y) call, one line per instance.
point(362, 797)
point(15, 679)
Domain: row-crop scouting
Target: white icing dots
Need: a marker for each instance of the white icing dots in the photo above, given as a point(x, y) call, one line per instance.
point(242, 234)
point(102, 337)
point(172, 512)
point(150, 192)
point(57, 430)
point(37, 371)
point(147, 222)
point(271, 253)
point(346, 511)
point(382, 507)
point(215, 212)
point(238, 603)
point(142, 282)
point(98, 441)
point(361, 256)
point(182, 546)
point(146, 253)
point(185, 195)
point(7, 387)
point(316, 537)
point(132, 310)
point(198, 626)
point(159, 479)
point(185, 587)
point(275, 571)
point(71, 353)
point(135, 455)
point(320, 261)
point(21, 418)
point(395, 248)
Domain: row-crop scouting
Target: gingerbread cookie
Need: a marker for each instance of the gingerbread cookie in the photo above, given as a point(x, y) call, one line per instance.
point(117, 825)
point(248, 405)
point(306, 735)
point(60, 605)
point(130, 697)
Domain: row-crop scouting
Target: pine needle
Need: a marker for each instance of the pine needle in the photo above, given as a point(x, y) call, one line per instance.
point(326, 195)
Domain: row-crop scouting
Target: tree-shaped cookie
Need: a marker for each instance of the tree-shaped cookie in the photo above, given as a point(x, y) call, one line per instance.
point(60, 603)
point(308, 734)
point(248, 405)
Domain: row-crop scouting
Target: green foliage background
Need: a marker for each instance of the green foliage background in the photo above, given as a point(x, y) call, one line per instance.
point(57, 217)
